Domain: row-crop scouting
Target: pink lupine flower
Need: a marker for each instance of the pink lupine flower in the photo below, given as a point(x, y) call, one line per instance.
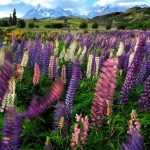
point(36, 77)
point(104, 92)
point(134, 125)
point(18, 71)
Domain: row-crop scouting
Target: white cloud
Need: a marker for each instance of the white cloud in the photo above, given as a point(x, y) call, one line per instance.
point(5, 2)
point(120, 2)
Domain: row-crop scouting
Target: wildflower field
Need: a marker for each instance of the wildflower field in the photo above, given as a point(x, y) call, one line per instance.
point(88, 91)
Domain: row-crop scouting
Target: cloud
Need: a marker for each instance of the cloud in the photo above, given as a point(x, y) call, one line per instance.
point(120, 2)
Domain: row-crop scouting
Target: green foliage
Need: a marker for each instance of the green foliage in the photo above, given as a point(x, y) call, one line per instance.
point(95, 25)
point(121, 26)
point(139, 25)
point(4, 23)
point(83, 25)
point(21, 23)
point(55, 25)
point(37, 26)
point(31, 25)
point(108, 27)
point(14, 19)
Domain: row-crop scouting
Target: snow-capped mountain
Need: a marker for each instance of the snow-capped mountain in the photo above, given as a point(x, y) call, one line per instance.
point(42, 12)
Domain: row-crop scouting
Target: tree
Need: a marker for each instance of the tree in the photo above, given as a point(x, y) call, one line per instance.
point(83, 25)
point(95, 25)
point(21, 23)
point(14, 17)
point(10, 20)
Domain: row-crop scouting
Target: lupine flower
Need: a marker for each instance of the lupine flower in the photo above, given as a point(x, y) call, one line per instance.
point(133, 142)
point(144, 101)
point(105, 89)
point(37, 108)
point(45, 58)
point(73, 84)
point(97, 65)
point(121, 49)
point(134, 124)
point(15, 46)
point(82, 56)
point(1, 44)
point(51, 67)
point(143, 72)
point(63, 73)
point(80, 132)
point(69, 69)
point(2, 56)
point(19, 54)
point(36, 76)
point(11, 130)
point(5, 75)
point(89, 66)
point(132, 70)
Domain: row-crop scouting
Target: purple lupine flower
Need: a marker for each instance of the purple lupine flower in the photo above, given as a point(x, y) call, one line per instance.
point(59, 112)
point(122, 59)
point(69, 69)
point(144, 101)
point(5, 75)
point(73, 84)
point(38, 107)
point(133, 142)
point(1, 43)
point(45, 58)
point(132, 71)
point(143, 73)
point(11, 130)
point(19, 54)
point(15, 46)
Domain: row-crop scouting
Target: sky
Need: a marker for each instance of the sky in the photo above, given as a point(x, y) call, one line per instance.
point(81, 6)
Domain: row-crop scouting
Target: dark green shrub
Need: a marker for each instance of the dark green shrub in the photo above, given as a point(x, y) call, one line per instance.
point(108, 27)
point(121, 26)
point(47, 26)
point(95, 25)
point(4, 23)
point(31, 25)
point(57, 25)
point(21, 23)
point(37, 26)
point(83, 25)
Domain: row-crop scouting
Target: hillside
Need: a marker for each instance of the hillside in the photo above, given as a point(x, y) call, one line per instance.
point(129, 17)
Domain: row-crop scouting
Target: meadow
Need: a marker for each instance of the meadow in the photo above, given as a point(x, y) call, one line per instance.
point(63, 91)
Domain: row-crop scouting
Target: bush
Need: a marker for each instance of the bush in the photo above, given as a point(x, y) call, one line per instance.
point(55, 25)
point(31, 25)
point(37, 26)
point(83, 25)
point(121, 26)
point(47, 25)
point(4, 23)
point(21, 23)
point(95, 25)
point(108, 27)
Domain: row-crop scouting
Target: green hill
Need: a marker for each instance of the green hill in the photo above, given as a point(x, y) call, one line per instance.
point(132, 18)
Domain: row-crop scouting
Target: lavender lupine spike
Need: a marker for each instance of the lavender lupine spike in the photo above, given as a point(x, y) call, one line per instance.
point(5, 75)
point(37, 108)
point(45, 58)
point(144, 101)
point(69, 69)
point(1, 44)
point(133, 142)
point(143, 73)
point(15, 46)
point(11, 130)
point(19, 54)
point(132, 71)
point(73, 84)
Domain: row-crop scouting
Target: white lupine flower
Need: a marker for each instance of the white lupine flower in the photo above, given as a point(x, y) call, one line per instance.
point(89, 66)
point(2, 57)
point(97, 59)
point(81, 57)
point(121, 49)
